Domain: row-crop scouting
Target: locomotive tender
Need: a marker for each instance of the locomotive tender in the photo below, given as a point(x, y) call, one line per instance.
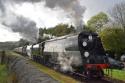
point(82, 53)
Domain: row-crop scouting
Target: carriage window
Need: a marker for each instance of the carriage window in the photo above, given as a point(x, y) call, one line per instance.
point(72, 48)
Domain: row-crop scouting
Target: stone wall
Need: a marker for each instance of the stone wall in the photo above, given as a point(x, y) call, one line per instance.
point(25, 72)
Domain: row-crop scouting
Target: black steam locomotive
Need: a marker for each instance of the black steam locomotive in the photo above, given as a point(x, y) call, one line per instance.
point(82, 53)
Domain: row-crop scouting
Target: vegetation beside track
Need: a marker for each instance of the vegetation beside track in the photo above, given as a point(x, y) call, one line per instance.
point(56, 75)
point(3, 74)
point(52, 73)
point(117, 74)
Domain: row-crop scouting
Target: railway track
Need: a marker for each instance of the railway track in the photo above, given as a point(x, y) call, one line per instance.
point(84, 79)
point(97, 81)
point(80, 77)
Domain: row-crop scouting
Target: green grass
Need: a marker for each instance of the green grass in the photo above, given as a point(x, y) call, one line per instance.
point(118, 74)
point(56, 75)
point(3, 74)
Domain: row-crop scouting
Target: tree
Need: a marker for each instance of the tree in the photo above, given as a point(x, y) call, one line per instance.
point(62, 29)
point(118, 14)
point(96, 22)
point(113, 39)
point(42, 31)
point(23, 42)
point(58, 30)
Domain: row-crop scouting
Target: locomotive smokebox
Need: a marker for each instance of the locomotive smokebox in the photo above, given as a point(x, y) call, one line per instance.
point(89, 45)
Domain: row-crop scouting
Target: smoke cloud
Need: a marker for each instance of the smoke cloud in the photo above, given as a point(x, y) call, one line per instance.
point(73, 9)
point(67, 62)
point(27, 28)
point(19, 24)
point(22, 1)
point(2, 8)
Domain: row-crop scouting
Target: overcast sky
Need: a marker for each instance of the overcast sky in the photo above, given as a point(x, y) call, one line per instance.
point(45, 17)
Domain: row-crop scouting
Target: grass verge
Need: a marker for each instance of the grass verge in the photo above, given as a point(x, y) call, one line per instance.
point(52, 73)
point(117, 74)
point(3, 74)
point(56, 75)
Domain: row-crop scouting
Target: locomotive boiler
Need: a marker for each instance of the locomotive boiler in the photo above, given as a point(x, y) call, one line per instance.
point(82, 53)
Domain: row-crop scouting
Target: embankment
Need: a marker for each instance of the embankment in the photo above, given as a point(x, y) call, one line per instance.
point(23, 71)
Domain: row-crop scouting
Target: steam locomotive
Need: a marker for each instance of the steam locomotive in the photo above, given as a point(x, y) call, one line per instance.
point(82, 53)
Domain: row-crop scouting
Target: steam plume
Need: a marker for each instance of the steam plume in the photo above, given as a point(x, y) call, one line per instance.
point(71, 7)
point(27, 28)
point(24, 26)
point(1, 5)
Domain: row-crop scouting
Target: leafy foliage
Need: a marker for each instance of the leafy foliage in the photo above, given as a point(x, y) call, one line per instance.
point(12, 45)
point(59, 30)
point(23, 42)
point(117, 74)
point(3, 74)
point(113, 39)
point(96, 22)
point(8, 45)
